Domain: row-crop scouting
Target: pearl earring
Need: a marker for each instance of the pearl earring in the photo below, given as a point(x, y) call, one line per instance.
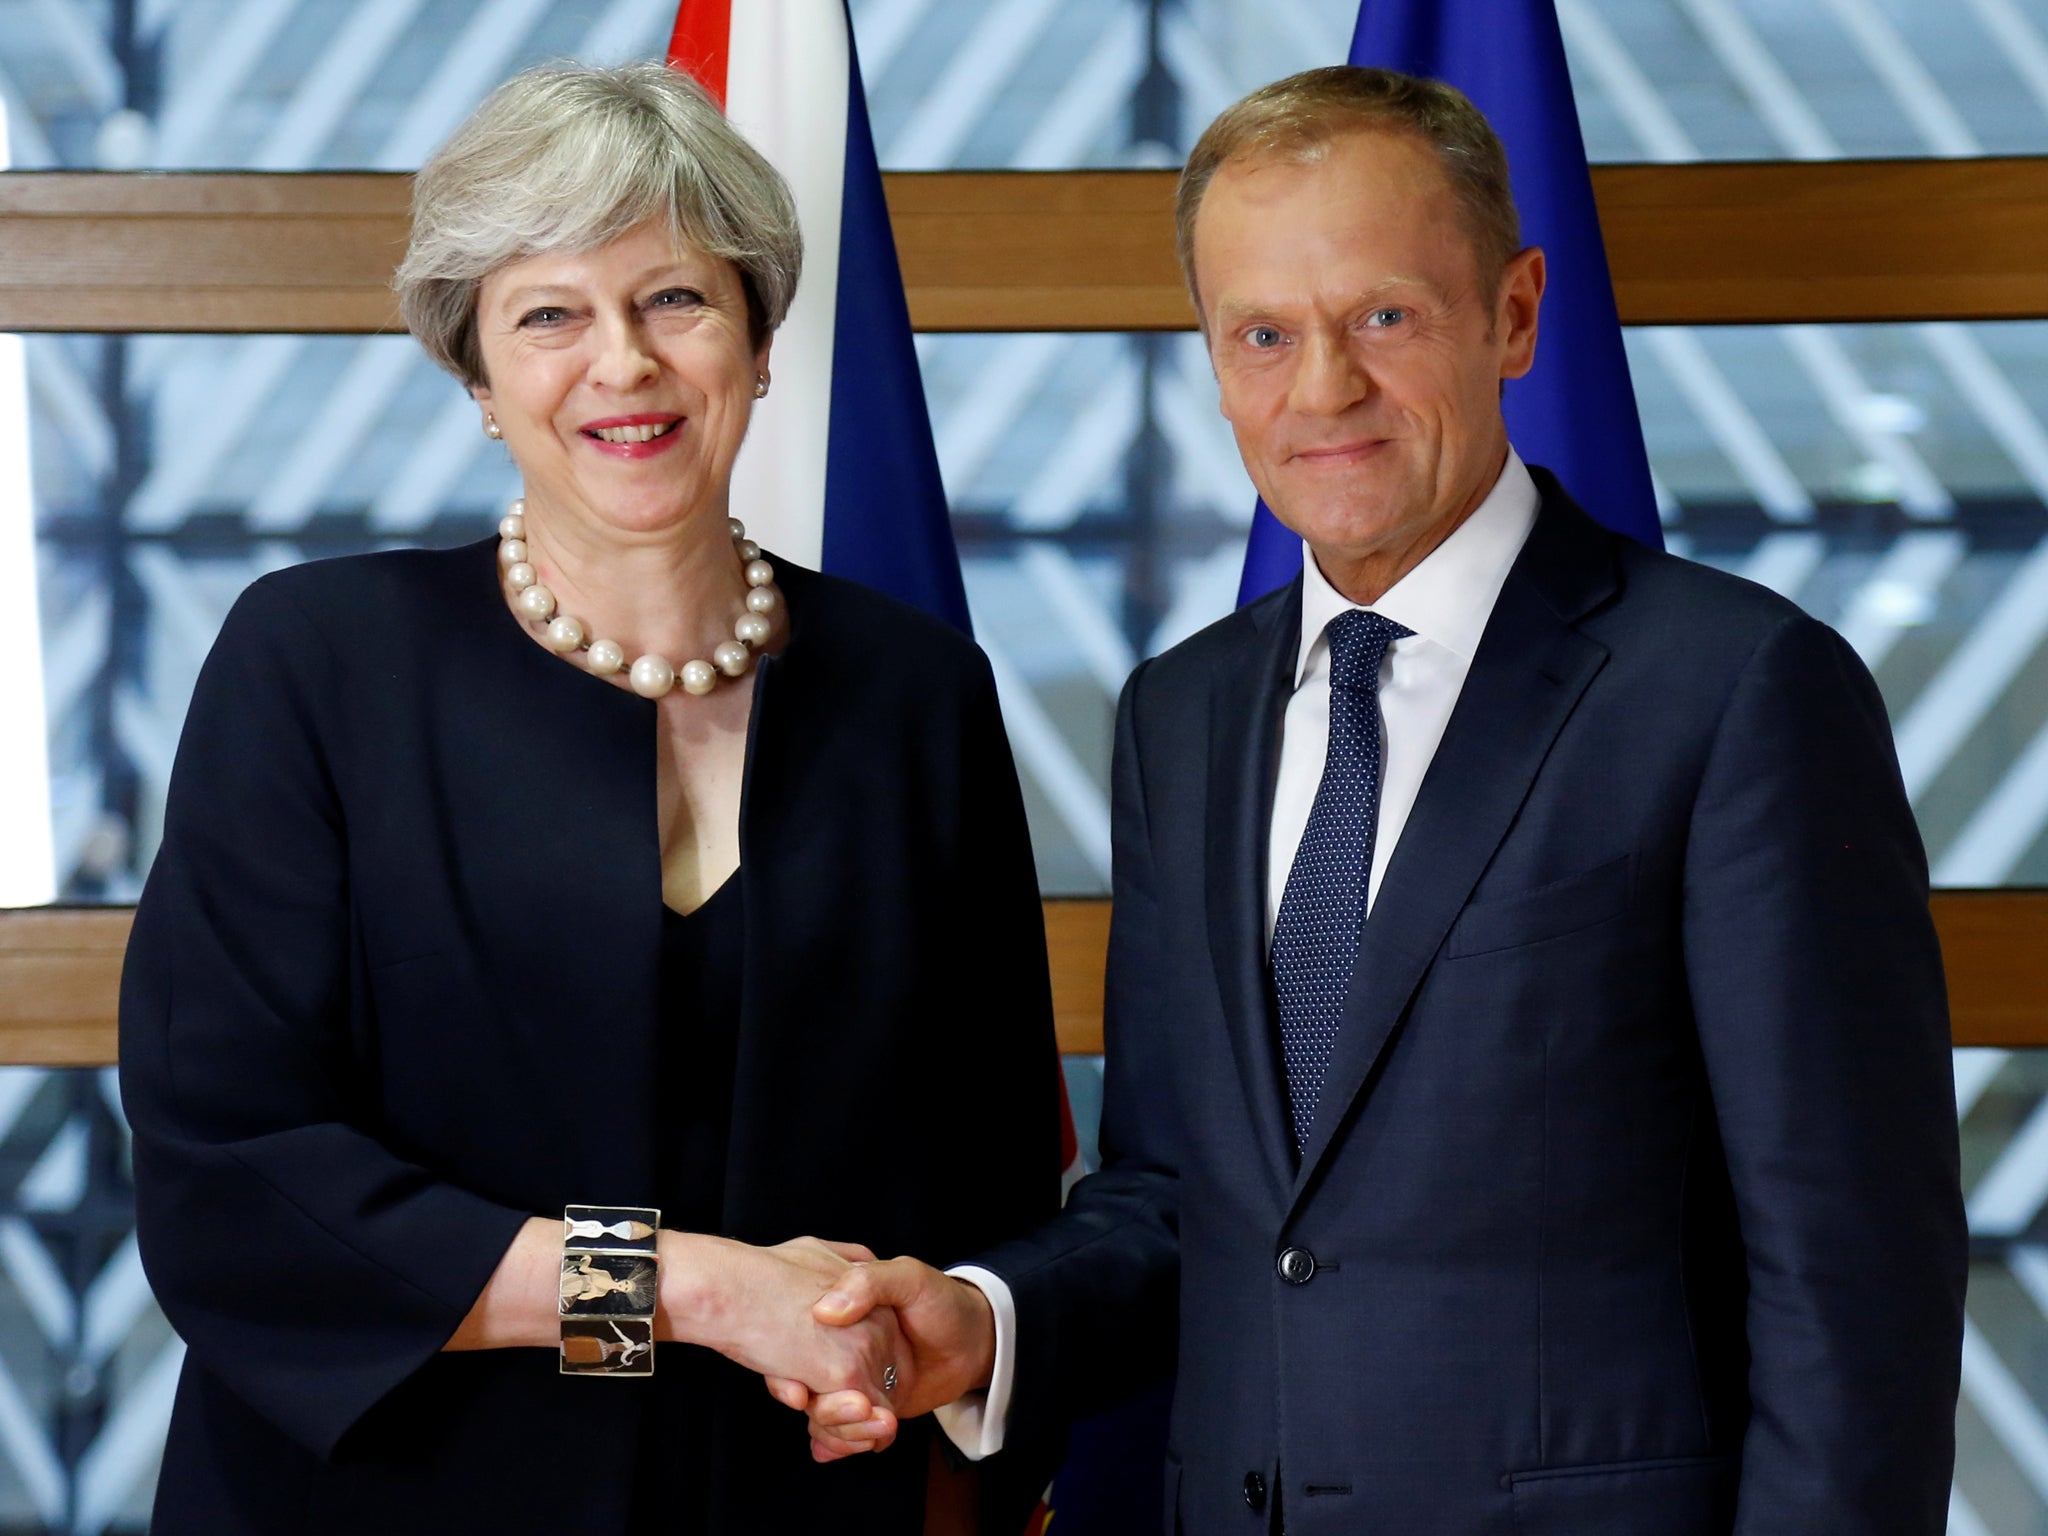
point(760, 386)
point(491, 428)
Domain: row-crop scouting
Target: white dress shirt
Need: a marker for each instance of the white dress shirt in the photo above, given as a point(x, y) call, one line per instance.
point(1446, 600)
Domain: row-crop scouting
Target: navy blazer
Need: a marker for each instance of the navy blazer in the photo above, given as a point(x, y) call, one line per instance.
point(1631, 1207)
point(393, 989)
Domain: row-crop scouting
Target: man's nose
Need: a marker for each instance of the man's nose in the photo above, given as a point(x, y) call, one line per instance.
point(1330, 378)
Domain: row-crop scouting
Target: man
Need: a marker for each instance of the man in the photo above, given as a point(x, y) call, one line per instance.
point(1528, 1078)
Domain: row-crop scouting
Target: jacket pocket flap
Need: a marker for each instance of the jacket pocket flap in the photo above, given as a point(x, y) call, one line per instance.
point(1677, 1496)
point(1548, 912)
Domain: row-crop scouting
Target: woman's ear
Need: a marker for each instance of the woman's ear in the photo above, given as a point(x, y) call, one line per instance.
point(482, 396)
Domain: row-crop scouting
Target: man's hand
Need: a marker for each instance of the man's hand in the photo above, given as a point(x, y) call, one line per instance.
point(950, 1332)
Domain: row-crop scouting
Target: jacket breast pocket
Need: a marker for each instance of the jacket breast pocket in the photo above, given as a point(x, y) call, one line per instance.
point(1549, 911)
point(1678, 1496)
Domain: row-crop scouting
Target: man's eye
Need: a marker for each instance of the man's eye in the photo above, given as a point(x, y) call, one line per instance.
point(1264, 337)
point(1382, 318)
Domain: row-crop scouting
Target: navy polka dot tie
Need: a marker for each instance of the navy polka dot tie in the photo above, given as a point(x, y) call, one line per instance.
point(1322, 910)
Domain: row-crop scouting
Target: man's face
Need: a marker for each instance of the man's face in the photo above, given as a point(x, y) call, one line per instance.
point(1358, 356)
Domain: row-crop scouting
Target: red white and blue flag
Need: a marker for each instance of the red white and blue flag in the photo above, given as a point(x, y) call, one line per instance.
point(838, 471)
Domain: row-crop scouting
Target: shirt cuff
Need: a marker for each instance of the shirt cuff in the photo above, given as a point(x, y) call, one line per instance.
point(975, 1423)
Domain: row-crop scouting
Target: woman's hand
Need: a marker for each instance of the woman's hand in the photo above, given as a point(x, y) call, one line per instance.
point(753, 1305)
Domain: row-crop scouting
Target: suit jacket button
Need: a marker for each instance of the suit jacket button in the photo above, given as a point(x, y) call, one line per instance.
point(1255, 1490)
point(1297, 1266)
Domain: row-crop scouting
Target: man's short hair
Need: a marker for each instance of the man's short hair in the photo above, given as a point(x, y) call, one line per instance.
point(1299, 117)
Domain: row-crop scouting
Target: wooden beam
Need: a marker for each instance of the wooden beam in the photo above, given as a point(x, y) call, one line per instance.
point(1076, 939)
point(1831, 241)
point(1994, 945)
point(60, 974)
point(60, 978)
point(237, 251)
point(1051, 250)
point(1038, 250)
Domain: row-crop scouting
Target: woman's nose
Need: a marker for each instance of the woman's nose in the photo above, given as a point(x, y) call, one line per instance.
point(623, 360)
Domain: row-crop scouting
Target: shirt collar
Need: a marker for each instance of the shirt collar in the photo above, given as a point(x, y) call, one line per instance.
point(1450, 595)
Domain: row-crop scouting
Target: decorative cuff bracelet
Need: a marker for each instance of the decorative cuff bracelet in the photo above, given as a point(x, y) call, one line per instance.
point(611, 1274)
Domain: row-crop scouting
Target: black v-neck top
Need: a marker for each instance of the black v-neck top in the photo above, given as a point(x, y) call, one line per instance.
point(695, 1057)
point(696, 1051)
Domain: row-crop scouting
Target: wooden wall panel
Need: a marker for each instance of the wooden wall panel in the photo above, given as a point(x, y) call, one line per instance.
point(60, 974)
point(1076, 939)
point(1827, 241)
point(200, 252)
point(1039, 251)
point(60, 970)
point(1995, 947)
point(1052, 250)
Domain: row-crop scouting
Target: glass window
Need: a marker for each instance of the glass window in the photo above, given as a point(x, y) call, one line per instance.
point(1897, 492)
point(269, 85)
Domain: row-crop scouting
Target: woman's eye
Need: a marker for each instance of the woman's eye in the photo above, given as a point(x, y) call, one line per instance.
point(547, 314)
point(671, 298)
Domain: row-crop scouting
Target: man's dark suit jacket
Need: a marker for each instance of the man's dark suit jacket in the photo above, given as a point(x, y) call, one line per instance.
point(1632, 1196)
point(393, 989)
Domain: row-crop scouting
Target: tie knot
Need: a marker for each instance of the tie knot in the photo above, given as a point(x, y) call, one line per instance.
point(1358, 644)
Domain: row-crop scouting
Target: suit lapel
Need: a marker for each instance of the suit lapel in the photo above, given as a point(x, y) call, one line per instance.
point(1247, 700)
point(1531, 668)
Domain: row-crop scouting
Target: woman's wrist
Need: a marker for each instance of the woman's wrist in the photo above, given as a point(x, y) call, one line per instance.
point(696, 1274)
point(751, 1304)
point(518, 1304)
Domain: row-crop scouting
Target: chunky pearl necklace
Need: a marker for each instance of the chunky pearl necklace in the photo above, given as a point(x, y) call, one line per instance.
point(650, 676)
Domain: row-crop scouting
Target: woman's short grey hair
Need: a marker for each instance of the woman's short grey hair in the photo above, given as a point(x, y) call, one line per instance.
point(1299, 117)
point(566, 158)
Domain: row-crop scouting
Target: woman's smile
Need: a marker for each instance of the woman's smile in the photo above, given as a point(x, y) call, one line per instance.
point(633, 437)
point(622, 378)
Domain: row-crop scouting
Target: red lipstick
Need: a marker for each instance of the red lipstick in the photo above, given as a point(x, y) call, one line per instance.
point(630, 449)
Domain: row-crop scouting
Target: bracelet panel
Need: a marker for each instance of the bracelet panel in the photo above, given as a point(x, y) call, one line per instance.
point(610, 1228)
point(610, 1281)
point(608, 1285)
point(607, 1346)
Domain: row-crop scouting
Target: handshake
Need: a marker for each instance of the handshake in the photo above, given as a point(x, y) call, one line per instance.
point(857, 1344)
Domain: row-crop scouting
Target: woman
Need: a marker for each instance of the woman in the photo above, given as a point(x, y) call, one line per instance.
point(505, 880)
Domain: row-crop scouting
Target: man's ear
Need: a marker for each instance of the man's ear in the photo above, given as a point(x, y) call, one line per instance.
point(1515, 311)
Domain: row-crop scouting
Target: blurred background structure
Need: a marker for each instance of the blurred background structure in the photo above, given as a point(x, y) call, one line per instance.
point(1892, 479)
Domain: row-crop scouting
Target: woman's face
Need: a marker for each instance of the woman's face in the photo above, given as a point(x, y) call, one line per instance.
point(622, 378)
